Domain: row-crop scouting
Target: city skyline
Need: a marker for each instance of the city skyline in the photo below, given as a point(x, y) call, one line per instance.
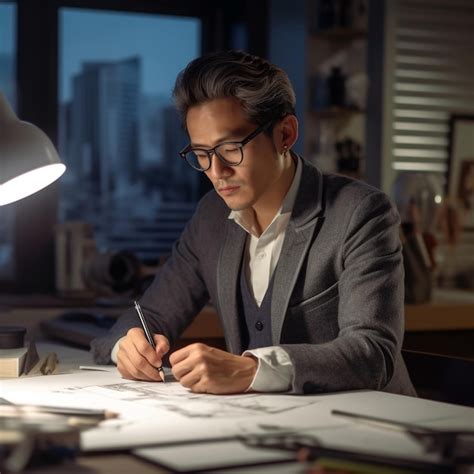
point(115, 139)
point(113, 36)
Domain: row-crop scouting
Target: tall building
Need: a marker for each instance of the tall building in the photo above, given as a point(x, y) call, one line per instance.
point(104, 114)
point(121, 151)
point(7, 78)
point(151, 130)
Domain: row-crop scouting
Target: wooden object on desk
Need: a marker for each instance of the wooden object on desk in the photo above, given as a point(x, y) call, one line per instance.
point(449, 310)
point(205, 327)
point(452, 310)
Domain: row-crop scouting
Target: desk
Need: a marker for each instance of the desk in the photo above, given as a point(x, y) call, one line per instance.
point(127, 463)
point(101, 464)
point(376, 403)
point(449, 310)
point(443, 326)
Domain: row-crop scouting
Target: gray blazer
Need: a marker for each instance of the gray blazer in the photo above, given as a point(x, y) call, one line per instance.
point(337, 305)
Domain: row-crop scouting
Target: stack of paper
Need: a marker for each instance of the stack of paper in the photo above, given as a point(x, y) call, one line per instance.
point(12, 361)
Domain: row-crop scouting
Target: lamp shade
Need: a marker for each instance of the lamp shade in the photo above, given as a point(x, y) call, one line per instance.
point(28, 160)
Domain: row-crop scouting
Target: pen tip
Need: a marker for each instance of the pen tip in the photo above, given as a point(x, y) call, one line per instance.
point(162, 375)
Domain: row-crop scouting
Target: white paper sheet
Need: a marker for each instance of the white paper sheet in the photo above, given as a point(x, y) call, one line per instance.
point(215, 455)
point(284, 468)
point(218, 454)
point(153, 413)
point(156, 413)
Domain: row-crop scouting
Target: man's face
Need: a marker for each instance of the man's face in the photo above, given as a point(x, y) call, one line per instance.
point(249, 184)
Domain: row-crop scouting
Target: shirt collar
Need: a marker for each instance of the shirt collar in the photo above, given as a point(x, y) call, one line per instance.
point(245, 218)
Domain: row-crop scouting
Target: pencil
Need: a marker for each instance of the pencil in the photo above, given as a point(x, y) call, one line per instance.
point(68, 411)
point(50, 364)
point(383, 422)
point(149, 337)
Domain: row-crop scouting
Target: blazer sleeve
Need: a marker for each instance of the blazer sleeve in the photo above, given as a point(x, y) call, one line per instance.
point(370, 312)
point(171, 302)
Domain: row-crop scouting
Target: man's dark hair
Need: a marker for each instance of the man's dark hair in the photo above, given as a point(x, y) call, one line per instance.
point(263, 89)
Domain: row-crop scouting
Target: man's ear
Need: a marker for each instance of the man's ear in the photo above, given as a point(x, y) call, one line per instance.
point(285, 132)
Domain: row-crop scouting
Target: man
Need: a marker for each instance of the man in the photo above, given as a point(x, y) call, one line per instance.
point(304, 269)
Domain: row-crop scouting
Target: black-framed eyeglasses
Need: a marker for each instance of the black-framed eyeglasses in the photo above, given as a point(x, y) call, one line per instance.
point(230, 153)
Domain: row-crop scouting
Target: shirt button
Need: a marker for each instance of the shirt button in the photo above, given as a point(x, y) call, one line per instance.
point(262, 255)
point(259, 326)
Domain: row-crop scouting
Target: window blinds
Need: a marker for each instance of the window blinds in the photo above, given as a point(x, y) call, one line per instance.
point(432, 78)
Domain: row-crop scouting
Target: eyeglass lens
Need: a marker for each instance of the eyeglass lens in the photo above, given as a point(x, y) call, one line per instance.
point(228, 153)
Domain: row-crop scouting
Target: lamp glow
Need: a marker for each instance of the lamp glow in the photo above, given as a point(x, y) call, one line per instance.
point(28, 160)
point(29, 182)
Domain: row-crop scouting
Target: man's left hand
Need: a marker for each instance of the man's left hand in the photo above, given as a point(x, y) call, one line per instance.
point(206, 369)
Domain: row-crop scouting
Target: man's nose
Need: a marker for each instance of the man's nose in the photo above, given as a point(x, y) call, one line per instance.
point(218, 170)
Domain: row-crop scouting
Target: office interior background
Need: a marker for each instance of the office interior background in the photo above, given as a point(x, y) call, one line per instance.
point(384, 94)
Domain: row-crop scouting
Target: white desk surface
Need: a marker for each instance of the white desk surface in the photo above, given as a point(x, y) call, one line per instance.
point(155, 414)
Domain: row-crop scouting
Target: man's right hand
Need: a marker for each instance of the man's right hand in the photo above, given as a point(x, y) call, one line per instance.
point(137, 360)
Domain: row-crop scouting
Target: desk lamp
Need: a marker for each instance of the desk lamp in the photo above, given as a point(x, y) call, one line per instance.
point(28, 163)
point(28, 160)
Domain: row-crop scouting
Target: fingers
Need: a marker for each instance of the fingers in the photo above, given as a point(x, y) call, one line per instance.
point(136, 341)
point(189, 365)
point(180, 355)
point(136, 359)
point(183, 362)
point(209, 370)
point(127, 368)
point(191, 379)
point(162, 345)
point(132, 365)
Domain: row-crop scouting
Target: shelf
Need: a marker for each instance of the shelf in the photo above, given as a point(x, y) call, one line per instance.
point(339, 34)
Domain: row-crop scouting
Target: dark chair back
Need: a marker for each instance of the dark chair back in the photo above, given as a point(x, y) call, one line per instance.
point(441, 378)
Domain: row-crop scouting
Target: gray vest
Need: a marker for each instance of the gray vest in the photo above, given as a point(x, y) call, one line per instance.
point(256, 319)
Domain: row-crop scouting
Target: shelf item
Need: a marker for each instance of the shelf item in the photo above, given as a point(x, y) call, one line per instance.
point(336, 112)
point(339, 34)
point(337, 82)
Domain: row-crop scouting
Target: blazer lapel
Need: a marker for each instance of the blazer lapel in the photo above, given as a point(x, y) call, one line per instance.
point(228, 269)
point(307, 213)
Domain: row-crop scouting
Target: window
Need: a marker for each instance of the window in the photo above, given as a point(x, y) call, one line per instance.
point(7, 87)
point(119, 134)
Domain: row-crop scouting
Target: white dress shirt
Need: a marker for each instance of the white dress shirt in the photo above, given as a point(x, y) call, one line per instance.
point(275, 370)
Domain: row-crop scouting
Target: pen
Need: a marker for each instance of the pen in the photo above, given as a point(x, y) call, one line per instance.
point(148, 336)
